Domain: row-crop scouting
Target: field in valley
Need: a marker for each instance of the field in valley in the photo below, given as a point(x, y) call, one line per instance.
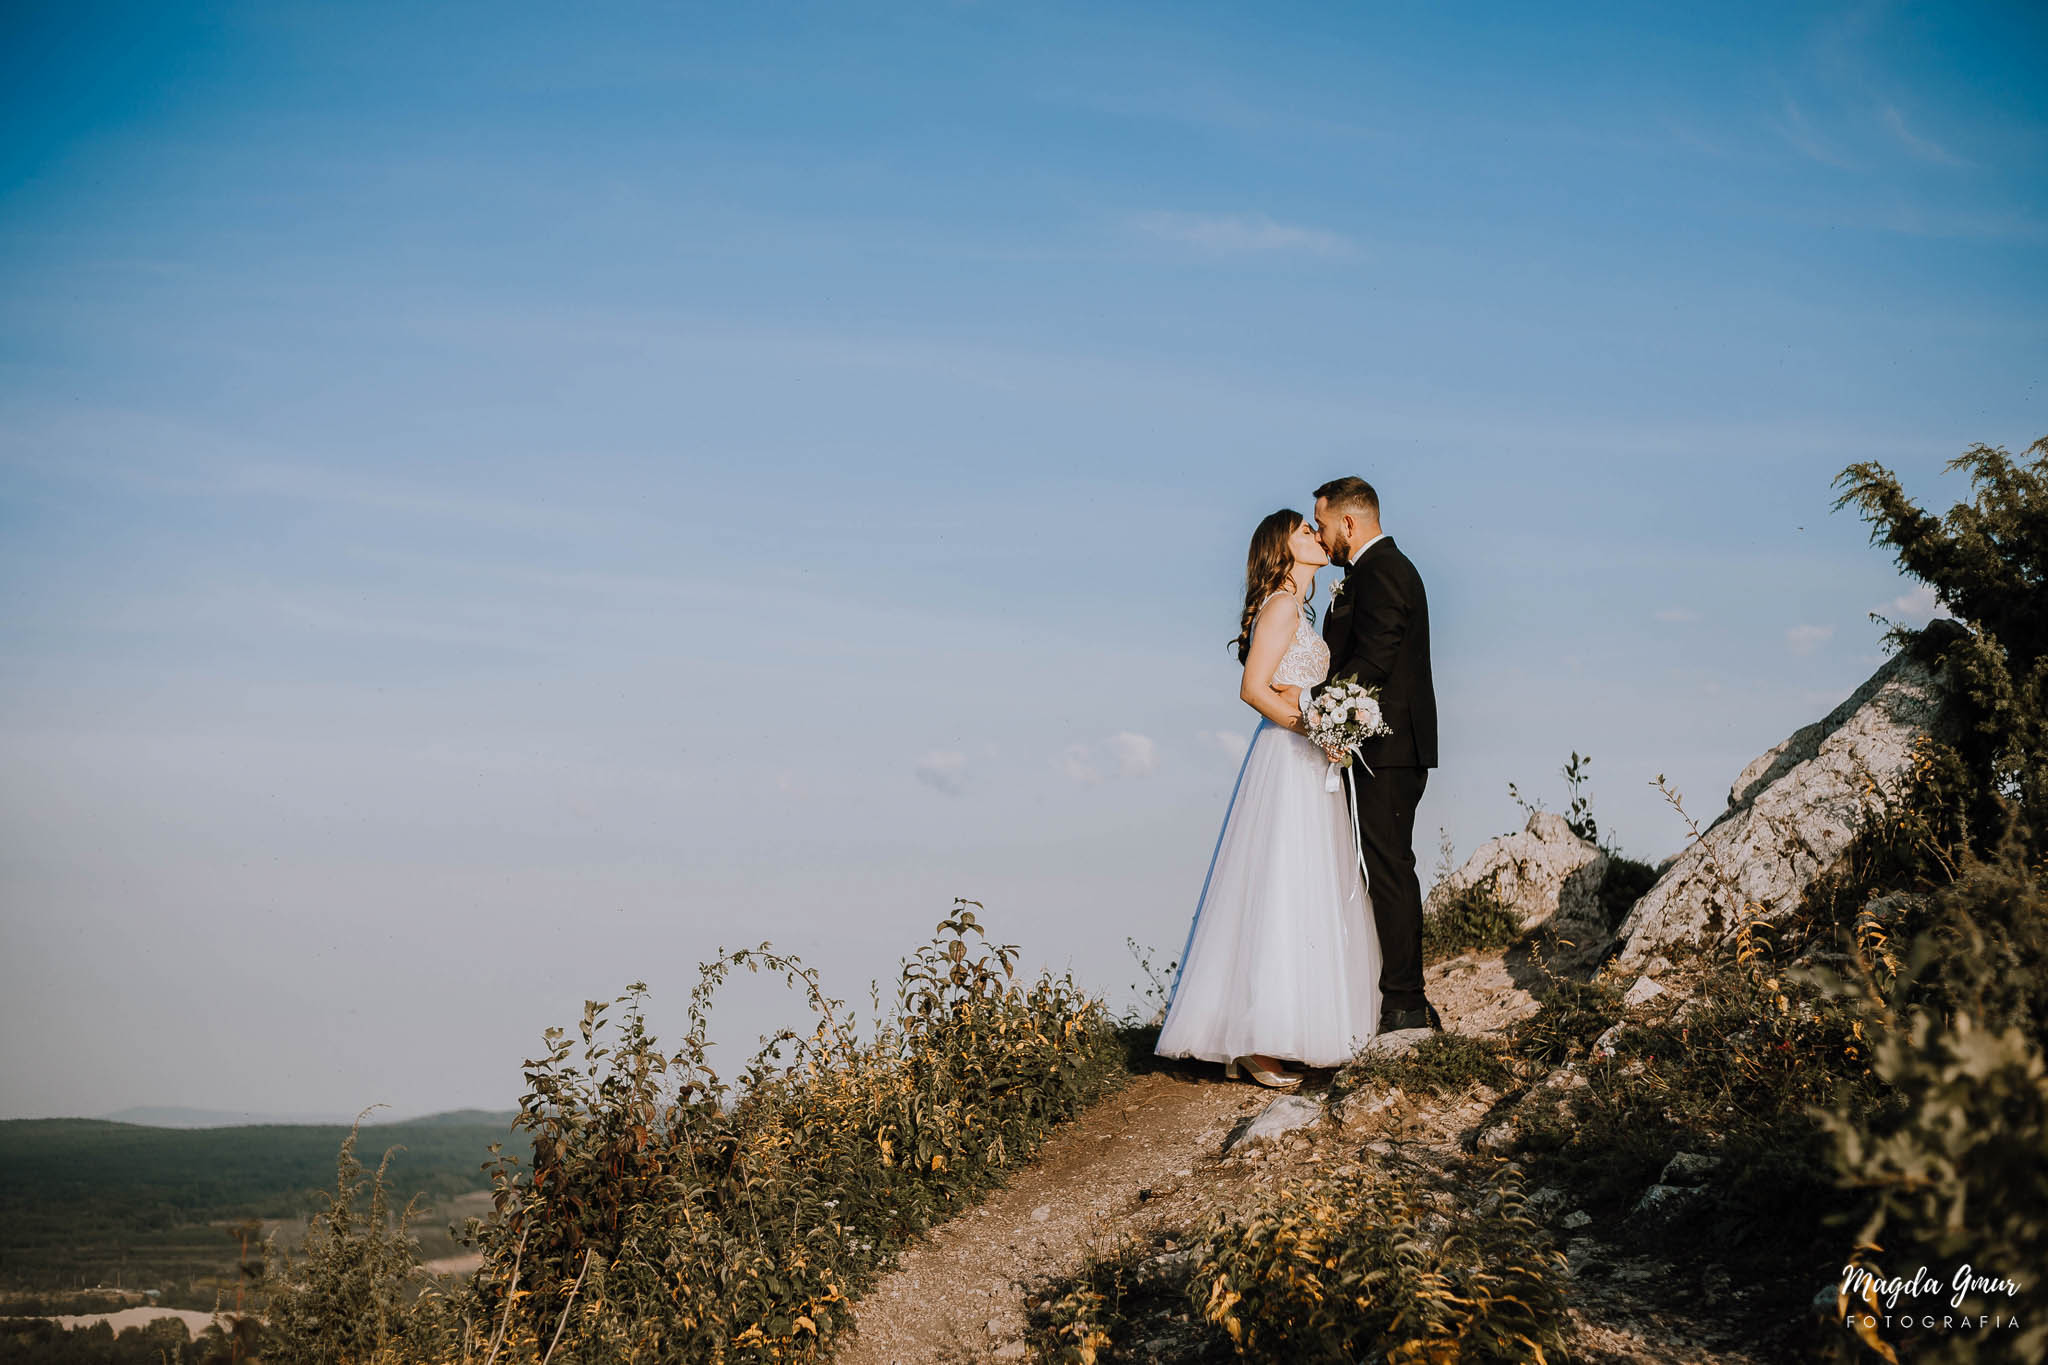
point(87, 1202)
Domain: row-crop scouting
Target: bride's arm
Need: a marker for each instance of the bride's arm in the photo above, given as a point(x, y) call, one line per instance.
point(1272, 633)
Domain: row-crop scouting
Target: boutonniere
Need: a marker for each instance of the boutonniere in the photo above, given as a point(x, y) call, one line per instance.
point(1337, 592)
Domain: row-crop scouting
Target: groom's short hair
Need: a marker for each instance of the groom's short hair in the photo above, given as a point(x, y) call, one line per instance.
point(1349, 494)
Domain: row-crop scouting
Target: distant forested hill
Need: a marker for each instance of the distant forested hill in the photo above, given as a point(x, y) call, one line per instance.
point(79, 1198)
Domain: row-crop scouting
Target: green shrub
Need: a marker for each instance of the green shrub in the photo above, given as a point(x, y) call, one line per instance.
point(1959, 1167)
point(348, 1296)
point(1952, 977)
point(670, 1215)
point(1956, 1154)
point(1987, 561)
point(1472, 919)
point(1367, 1266)
point(1625, 883)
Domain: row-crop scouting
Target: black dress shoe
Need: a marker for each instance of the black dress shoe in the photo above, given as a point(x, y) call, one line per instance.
point(1423, 1016)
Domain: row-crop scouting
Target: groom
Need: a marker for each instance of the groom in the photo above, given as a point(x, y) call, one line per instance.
point(1377, 628)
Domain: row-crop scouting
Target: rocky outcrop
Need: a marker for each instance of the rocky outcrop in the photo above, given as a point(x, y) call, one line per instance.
point(1281, 1117)
point(1546, 874)
point(1793, 811)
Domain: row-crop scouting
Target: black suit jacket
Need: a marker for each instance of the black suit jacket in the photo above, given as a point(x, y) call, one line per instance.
point(1378, 633)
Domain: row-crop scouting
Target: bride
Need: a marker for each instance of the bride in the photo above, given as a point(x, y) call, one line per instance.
point(1282, 961)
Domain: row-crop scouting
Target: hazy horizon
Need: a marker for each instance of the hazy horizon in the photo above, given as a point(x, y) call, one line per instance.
point(494, 507)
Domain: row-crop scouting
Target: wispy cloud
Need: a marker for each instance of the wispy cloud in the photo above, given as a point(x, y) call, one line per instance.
point(944, 770)
point(1807, 639)
point(1237, 234)
point(1793, 126)
point(1926, 148)
point(1121, 755)
point(1224, 741)
point(174, 457)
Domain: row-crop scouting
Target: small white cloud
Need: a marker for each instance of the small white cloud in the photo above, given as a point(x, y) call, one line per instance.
point(1918, 605)
point(1135, 755)
point(1078, 762)
point(944, 770)
point(1238, 233)
point(1806, 639)
point(1224, 741)
point(1677, 615)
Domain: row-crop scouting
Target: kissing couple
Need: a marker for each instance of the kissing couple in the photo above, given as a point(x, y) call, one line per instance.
point(1307, 939)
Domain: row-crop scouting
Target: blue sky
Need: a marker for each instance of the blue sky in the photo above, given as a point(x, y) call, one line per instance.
point(498, 502)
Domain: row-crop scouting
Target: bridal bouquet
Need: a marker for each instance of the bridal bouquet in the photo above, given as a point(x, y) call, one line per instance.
point(1343, 716)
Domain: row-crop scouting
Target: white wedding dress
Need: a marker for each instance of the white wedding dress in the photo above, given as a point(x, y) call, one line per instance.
point(1282, 958)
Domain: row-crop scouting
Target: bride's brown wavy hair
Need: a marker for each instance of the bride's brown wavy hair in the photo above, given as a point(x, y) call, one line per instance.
point(1266, 570)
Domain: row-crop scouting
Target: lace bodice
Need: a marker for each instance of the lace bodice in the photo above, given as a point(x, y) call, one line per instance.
point(1307, 660)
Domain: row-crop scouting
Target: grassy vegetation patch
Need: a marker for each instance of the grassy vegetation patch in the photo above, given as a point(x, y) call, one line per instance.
point(1472, 919)
point(1131, 1303)
point(1572, 1014)
point(1441, 1064)
point(1367, 1265)
point(1358, 1265)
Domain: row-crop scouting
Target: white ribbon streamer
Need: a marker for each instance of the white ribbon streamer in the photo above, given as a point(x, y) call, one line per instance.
point(1357, 839)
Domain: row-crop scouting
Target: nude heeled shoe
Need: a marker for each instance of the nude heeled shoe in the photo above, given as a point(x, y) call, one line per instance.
point(1238, 1068)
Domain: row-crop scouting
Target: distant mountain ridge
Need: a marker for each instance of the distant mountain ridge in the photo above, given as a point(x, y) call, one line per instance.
point(174, 1116)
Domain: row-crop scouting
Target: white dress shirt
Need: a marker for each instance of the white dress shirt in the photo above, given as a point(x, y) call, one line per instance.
point(1359, 553)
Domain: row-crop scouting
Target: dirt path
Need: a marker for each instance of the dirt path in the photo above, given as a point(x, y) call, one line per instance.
point(1131, 1161)
point(1148, 1162)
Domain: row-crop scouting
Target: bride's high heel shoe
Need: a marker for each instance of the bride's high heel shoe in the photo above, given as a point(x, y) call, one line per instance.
point(1239, 1067)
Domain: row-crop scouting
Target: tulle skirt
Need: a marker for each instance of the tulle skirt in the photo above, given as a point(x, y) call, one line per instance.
point(1282, 958)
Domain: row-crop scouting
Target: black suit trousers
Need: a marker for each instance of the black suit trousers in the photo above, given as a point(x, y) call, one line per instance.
point(1386, 803)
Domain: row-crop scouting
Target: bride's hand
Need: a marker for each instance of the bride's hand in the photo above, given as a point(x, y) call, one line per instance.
point(1334, 755)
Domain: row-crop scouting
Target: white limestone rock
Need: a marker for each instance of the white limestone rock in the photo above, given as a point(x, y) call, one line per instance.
point(1791, 813)
point(1395, 1043)
point(1547, 875)
point(1283, 1115)
point(1642, 993)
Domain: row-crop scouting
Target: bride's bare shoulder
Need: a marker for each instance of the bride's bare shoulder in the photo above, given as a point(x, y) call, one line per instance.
point(1278, 616)
point(1279, 604)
